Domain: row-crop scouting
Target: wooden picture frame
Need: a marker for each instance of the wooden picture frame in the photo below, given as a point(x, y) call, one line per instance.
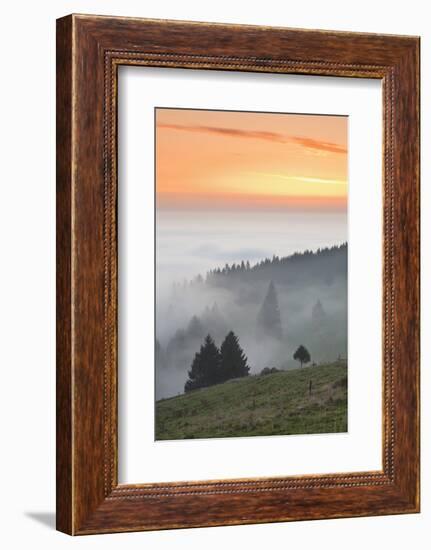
point(89, 51)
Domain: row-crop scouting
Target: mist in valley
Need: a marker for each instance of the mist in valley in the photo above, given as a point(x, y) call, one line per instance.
point(276, 280)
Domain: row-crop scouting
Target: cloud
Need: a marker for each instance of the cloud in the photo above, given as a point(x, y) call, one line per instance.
point(310, 143)
point(276, 137)
point(304, 179)
point(233, 132)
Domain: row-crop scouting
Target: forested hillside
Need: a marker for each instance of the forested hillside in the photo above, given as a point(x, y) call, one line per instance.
point(272, 307)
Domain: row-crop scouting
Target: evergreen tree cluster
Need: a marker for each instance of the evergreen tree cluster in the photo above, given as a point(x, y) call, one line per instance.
point(213, 366)
point(328, 261)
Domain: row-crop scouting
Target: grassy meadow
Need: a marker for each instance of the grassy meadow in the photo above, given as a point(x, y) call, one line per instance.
point(281, 403)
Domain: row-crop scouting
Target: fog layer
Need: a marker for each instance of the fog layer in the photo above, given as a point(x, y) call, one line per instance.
point(213, 273)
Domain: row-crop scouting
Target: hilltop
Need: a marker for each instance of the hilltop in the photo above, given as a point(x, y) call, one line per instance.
point(272, 404)
point(321, 266)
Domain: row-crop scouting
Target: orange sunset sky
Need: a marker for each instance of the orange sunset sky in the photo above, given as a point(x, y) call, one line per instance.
point(240, 160)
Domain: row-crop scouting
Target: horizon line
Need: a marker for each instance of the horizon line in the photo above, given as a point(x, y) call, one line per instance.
point(248, 203)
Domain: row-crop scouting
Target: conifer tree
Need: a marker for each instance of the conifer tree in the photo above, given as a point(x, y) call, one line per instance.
point(159, 355)
point(195, 328)
point(233, 362)
point(205, 368)
point(268, 319)
point(318, 316)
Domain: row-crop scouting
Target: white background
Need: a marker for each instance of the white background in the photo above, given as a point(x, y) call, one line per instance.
point(141, 458)
point(27, 218)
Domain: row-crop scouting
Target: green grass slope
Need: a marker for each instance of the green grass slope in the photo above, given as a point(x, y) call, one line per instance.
point(274, 404)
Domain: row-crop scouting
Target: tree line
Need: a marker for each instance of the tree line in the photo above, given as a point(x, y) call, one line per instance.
point(245, 269)
point(212, 365)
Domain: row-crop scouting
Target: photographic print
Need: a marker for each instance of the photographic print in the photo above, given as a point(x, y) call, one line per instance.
point(250, 273)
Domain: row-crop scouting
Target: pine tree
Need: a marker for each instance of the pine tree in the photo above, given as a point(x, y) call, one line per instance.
point(195, 328)
point(160, 358)
point(318, 316)
point(268, 319)
point(233, 362)
point(205, 368)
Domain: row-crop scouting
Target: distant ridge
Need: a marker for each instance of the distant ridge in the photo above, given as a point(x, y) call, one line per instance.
point(324, 264)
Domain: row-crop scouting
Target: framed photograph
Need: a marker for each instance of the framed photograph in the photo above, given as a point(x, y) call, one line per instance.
point(237, 274)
